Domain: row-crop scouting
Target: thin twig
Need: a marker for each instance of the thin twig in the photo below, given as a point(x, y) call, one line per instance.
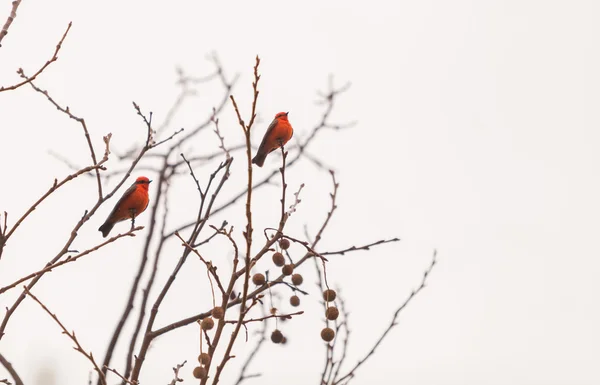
point(286, 316)
point(176, 369)
point(392, 324)
point(130, 233)
point(35, 75)
point(248, 233)
point(71, 335)
point(365, 247)
point(11, 17)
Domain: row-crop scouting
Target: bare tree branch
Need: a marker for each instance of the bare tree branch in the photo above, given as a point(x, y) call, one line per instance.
point(20, 70)
point(71, 335)
point(11, 17)
point(392, 324)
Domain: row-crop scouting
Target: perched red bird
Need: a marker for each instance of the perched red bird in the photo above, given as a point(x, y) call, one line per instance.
point(132, 203)
point(280, 131)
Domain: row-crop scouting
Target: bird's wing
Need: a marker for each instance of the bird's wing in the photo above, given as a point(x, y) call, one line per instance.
point(267, 134)
point(127, 193)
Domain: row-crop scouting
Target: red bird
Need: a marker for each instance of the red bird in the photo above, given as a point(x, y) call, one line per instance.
point(280, 131)
point(132, 203)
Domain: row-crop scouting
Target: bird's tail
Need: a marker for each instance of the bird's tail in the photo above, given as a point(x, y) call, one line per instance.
point(105, 228)
point(259, 159)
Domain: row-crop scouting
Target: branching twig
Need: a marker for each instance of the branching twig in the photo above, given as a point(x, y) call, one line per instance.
point(71, 335)
point(393, 323)
point(176, 378)
point(130, 233)
point(209, 266)
point(20, 70)
point(248, 233)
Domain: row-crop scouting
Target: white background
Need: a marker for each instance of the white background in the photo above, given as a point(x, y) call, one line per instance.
point(476, 135)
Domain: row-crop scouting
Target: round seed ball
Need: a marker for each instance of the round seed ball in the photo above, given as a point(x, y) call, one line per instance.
point(278, 259)
point(327, 334)
point(295, 300)
point(199, 372)
point(287, 269)
point(297, 279)
point(332, 313)
point(276, 336)
point(204, 358)
point(329, 295)
point(284, 244)
point(207, 323)
point(258, 279)
point(218, 312)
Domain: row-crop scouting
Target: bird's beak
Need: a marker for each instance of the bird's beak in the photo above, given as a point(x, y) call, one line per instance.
point(149, 181)
point(286, 114)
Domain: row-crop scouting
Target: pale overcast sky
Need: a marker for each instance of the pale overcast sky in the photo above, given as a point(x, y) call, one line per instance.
point(476, 135)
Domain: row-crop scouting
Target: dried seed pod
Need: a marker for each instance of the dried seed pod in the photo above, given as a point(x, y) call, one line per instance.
point(204, 358)
point(258, 279)
point(276, 336)
point(218, 312)
point(295, 300)
point(278, 259)
point(284, 244)
point(327, 334)
point(332, 313)
point(287, 269)
point(284, 341)
point(329, 295)
point(232, 295)
point(207, 323)
point(200, 372)
point(297, 279)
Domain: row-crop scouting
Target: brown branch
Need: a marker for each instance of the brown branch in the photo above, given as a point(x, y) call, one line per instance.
point(11, 17)
point(263, 338)
point(130, 233)
point(134, 286)
point(71, 335)
point(248, 233)
point(125, 380)
point(86, 216)
point(11, 370)
point(209, 266)
point(329, 100)
point(55, 186)
point(20, 70)
point(392, 324)
point(345, 342)
point(149, 334)
point(146, 290)
point(4, 236)
point(81, 121)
